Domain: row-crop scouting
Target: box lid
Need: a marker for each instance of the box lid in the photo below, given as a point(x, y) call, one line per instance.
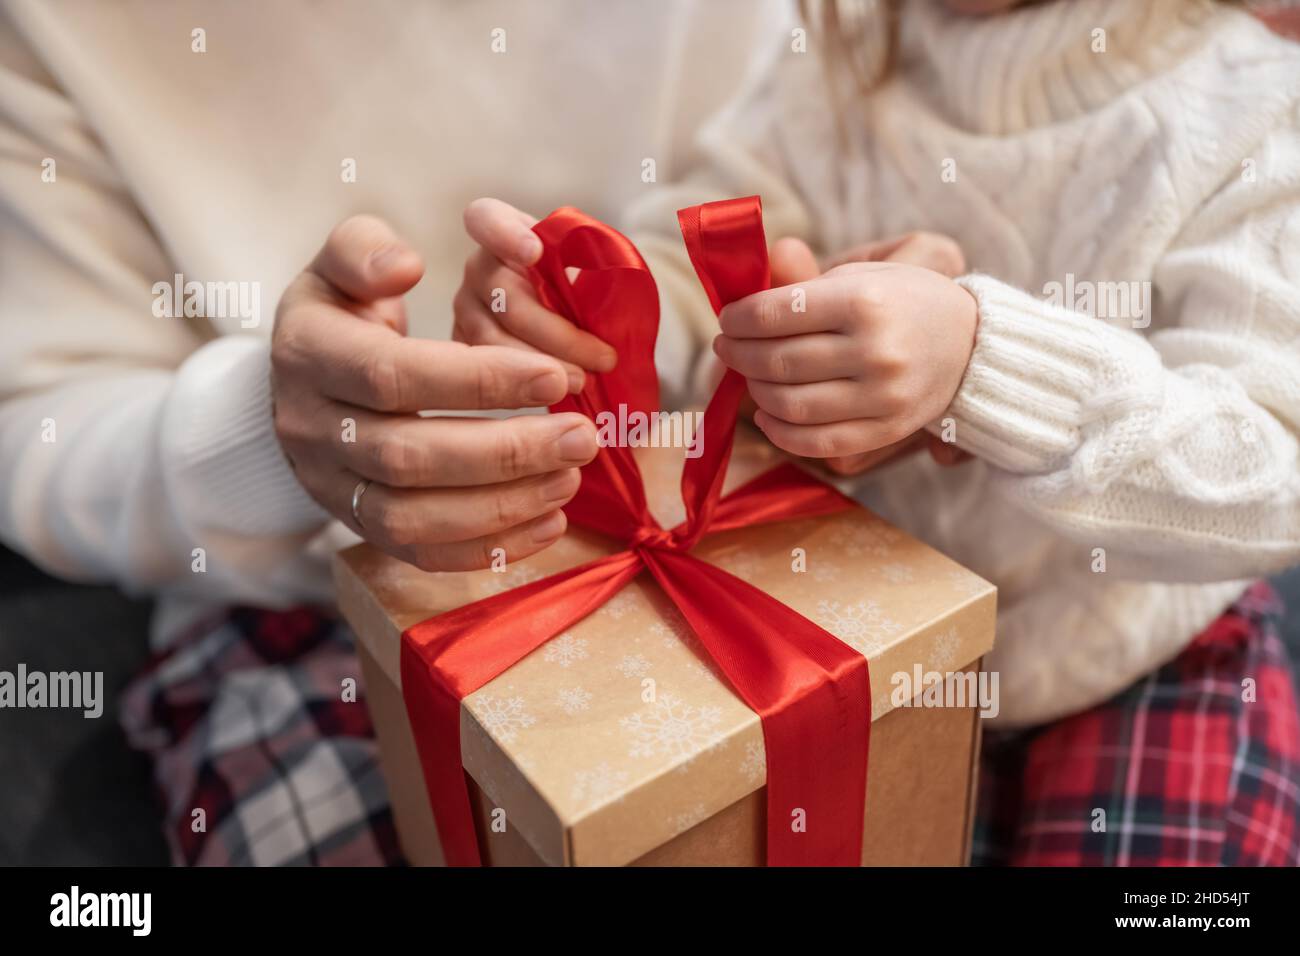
point(619, 734)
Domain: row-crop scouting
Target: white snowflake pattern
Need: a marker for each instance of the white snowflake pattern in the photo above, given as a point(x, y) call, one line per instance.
point(565, 649)
point(574, 699)
point(514, 576)
point(824, 572)
point(965, 583)
point(863, 626)
point(633, 665)
point(599, 783)
point(672, 628)
point(703, 668)
point(617, 606)
point(896, 573)
point(874, 537)
point(684, 821)
point(754, 765)
point(742, 563)
point(502, 717)
point(673, 727)
point(944, 651)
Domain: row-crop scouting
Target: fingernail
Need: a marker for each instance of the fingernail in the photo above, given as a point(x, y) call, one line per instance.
point(576, 380)
point(560, 486)
point(545, 389)
point(607, 361)
point(530, 248)
point(577, 444)
point(549, 527)
point(381, 260)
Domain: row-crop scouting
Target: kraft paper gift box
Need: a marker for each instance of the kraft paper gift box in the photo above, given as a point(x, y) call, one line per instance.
point(618, 742)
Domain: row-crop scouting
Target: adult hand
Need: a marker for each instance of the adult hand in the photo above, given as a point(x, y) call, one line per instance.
point(496, 305)
point(442, 493)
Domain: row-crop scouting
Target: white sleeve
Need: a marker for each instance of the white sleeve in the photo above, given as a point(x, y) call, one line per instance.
point(131, 451)
point(1176, 451)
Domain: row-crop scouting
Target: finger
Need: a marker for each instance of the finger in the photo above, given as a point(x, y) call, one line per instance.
point(391, 312)
point(407, 518)
point(857, 464)
point(406, 451)
point(834, 440)
point(365, 260)
point(799, 358)
point(527, 319)
point(309, 291)
point(792, 261)
point(930, 250)
point(875, 251)
point(359, 363)
point(504, 231)
point(474, 326)
point(513, 545)
point(821, 305)
point(814, 403)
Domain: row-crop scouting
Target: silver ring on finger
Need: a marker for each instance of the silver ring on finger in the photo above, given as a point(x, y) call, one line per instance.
point(357, 492)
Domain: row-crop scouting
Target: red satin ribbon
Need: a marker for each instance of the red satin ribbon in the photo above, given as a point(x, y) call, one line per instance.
point(811, 691)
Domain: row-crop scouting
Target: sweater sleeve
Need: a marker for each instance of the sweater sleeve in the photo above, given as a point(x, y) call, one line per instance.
point(132, 450)
point(1175, 451)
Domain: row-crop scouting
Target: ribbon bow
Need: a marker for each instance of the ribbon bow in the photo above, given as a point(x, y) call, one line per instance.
point(811, 691)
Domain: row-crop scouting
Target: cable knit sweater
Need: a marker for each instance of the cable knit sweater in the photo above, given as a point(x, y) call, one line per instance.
point(1135, 464)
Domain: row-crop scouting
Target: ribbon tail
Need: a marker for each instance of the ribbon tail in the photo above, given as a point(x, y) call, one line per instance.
point(728, 249)
point(448, 657)
point(783, 493)
point(812, 693)
point(434, 713)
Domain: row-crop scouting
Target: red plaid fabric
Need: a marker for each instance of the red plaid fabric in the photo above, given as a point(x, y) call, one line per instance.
point(1198, 764)
point(246, 722)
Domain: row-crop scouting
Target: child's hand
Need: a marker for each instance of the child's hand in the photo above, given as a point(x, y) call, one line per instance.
point(495, 304)
point(851, 361)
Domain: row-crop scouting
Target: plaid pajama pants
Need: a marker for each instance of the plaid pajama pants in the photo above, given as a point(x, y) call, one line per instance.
point(1198, 764)
point(261, 754)
point(247, 722)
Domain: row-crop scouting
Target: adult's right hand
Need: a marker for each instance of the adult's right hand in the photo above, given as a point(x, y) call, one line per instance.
point(442, 493)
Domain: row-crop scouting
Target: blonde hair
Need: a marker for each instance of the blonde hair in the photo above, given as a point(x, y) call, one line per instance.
point(859, 40)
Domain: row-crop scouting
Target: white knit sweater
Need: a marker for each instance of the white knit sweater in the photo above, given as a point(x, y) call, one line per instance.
point(1158, 444)
point(129, 441)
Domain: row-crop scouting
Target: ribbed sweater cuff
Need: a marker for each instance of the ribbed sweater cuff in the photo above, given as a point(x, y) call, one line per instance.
point(1039, 373)
point(223, 460)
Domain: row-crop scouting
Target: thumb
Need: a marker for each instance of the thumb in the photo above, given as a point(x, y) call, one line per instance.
point(365, 260)
point(792, 261)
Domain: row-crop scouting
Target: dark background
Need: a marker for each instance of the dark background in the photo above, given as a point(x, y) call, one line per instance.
point(71, 791)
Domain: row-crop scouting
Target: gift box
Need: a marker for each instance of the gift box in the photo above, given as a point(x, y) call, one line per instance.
point(593, 765)
point(573, 709)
